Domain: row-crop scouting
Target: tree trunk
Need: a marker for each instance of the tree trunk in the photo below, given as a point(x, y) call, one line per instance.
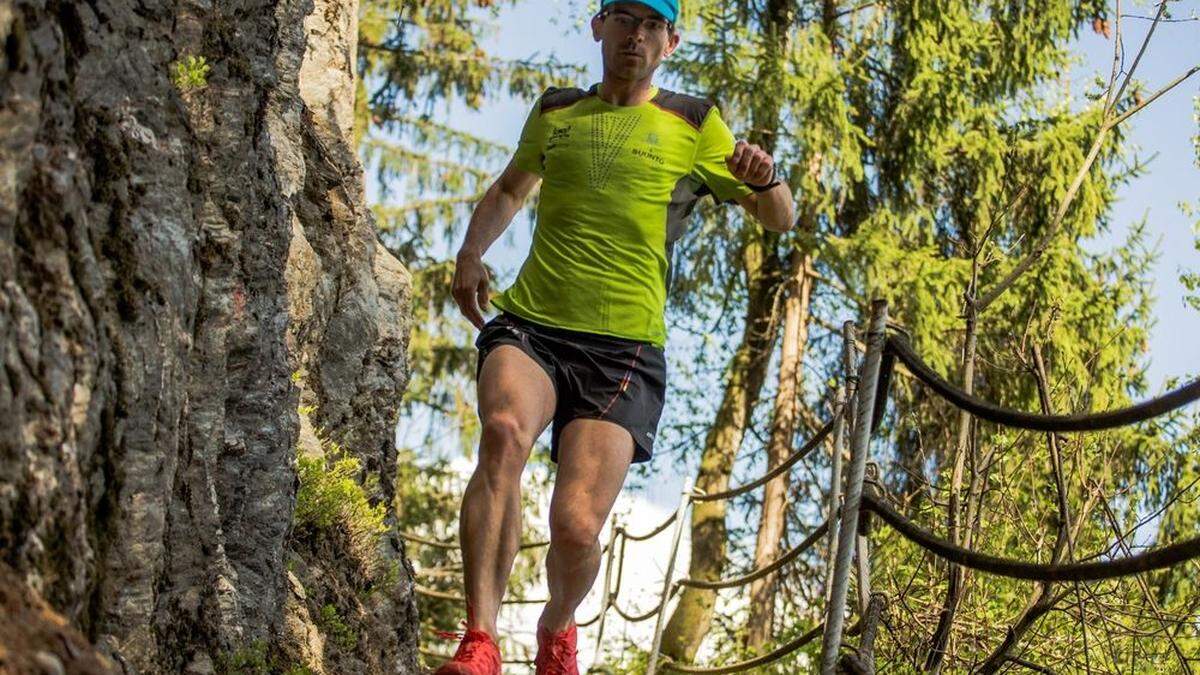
point(747, 371)
point(772, 519)
point(182, 244)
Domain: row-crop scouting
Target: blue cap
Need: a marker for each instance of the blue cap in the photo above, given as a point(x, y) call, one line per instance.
point(668, 8)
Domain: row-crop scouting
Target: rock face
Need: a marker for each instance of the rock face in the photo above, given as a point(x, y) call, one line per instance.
point(185, 258)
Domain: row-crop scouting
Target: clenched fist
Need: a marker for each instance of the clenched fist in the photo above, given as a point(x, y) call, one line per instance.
point(751, 164)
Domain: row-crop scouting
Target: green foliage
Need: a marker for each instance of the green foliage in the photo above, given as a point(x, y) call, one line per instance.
point(251, 659)
point(330, 495)
point(331, 622)
point(442, 350)
point(331, 503)
point(190, 73)
point(412, 55)
point(1191, 278)
point(336, 522)
point(256, 658)
point(930, 149)
point(1196, 119)
point(414, 51)
point(633, 659)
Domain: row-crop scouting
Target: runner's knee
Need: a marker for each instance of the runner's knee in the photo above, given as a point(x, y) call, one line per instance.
point(574, 530)
point(504, 445)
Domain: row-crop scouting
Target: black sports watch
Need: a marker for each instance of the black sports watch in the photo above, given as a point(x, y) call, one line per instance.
point(769, 184)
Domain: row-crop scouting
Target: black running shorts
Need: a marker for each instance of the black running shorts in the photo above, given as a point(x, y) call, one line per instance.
point(596, 376)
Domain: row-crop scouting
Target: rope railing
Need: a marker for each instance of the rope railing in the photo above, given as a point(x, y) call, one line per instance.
point(594, 619)
point(804, 451)
point(620, 569)
point(770, 657)
point(614, 532)
point(652, 533)
point(671, 588)
point(668, 588)
point(991, 412)
point(864, 406)
point(637, 618)
point(1166, 556)
point(882, 353)
point(763, 571)
point(812, 444)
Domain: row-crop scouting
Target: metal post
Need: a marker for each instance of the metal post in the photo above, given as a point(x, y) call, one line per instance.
point(684, 502)
point(863, 548)
point(862, 554)
point(605, 599)
point(860, 442)
point(845, 404)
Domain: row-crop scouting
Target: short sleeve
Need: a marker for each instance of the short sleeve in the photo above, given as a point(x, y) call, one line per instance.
point(528, 156)
point(714, 145)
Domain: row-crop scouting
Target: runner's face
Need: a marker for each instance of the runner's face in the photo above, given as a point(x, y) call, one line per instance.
point(634, 39)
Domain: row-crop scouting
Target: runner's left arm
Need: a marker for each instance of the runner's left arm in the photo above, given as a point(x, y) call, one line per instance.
point(730, 169)
point(773, 208)
point(754, 166)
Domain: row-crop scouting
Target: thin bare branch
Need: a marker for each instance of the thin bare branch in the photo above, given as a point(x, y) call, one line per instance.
point(1112, 102)
point(1153, 97)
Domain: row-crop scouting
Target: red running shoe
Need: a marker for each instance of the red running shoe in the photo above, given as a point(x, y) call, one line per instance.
point(477, 654)
point(556, 652)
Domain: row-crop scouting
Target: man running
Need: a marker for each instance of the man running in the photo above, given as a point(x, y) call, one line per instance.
point(579, 342)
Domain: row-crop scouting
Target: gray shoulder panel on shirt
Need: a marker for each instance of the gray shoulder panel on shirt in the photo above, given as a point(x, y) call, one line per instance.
point(691, 108)
point(560, 97)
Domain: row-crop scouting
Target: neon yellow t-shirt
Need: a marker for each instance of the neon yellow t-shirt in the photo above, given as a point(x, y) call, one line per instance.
point(618, 184)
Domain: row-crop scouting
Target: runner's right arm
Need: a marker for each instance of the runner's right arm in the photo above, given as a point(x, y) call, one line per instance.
point(492, 215)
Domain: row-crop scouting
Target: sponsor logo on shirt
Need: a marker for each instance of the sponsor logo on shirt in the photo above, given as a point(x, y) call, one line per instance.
point(558, 135)
point(648, 154)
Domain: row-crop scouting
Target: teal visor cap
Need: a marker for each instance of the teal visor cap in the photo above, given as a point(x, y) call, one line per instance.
point(668, 8)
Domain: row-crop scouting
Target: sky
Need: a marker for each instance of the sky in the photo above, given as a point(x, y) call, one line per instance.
point(1163, 132)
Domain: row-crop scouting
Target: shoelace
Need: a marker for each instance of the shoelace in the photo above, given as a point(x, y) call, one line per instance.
point(449, 634)
point(466, 650)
